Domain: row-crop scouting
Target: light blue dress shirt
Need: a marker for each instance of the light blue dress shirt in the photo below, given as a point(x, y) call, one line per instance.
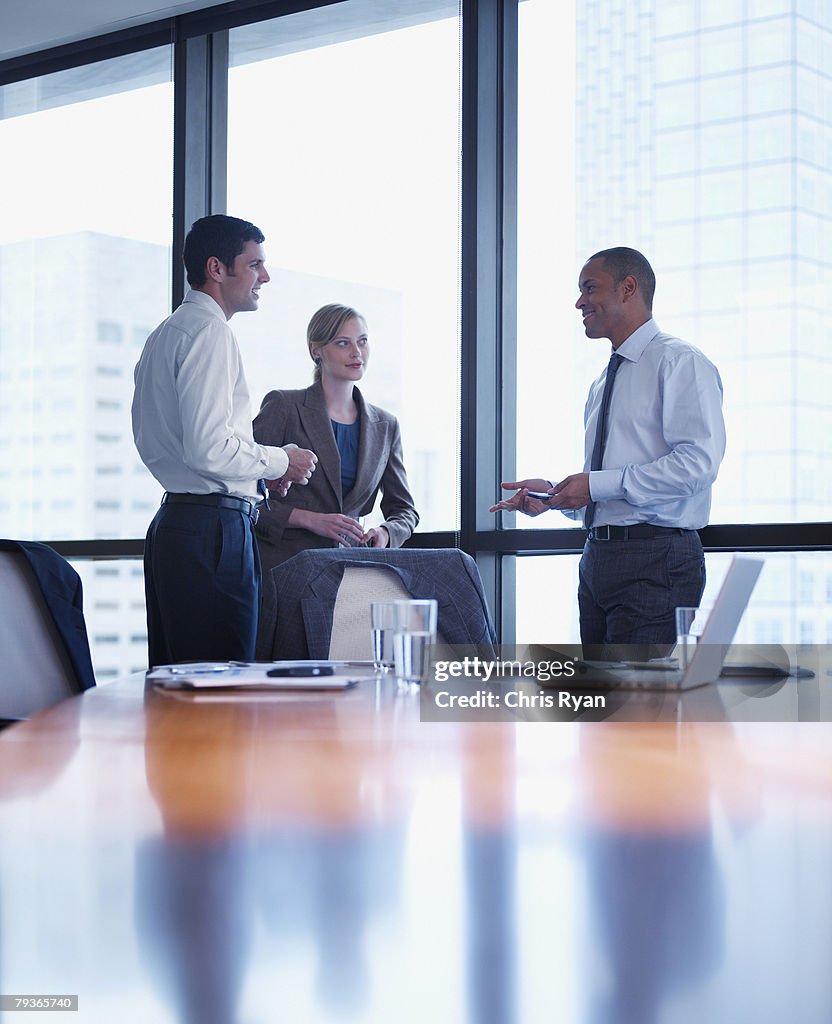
point(665, 436)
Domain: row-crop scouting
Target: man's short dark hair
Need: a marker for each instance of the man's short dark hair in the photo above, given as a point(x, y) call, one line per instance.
point(220, 236)
point(621, 262)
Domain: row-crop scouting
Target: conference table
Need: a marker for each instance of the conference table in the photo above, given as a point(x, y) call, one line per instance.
point(329, 857)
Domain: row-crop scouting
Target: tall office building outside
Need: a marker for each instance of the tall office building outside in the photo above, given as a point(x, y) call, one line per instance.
point(703, 138)
point(68, 465)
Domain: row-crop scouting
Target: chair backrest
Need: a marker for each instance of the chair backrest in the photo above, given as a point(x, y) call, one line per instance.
point(351, 636)
point(300, 594)
point(35, 668)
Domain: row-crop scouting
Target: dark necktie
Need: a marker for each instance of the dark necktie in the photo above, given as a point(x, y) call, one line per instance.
point(597, 460)
point(263, 491)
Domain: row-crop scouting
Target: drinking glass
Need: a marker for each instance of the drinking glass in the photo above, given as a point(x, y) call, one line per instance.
point(415, 632)
point(686, 635)
point(383, 620)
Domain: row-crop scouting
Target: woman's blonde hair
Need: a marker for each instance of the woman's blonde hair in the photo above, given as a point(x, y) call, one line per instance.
point(325, 326)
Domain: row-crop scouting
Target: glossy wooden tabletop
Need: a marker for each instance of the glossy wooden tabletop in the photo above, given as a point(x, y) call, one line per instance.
point(319, 857)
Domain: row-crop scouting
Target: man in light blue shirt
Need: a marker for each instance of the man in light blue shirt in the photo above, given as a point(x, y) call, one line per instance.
point(646, 485)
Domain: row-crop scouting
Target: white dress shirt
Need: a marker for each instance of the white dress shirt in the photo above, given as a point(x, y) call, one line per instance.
point(665, 434)
point(191, 407)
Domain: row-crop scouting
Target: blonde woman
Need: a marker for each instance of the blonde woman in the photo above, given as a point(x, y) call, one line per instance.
point(358, 446)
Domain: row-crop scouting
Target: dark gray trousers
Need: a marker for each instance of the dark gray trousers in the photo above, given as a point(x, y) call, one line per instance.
point(202, 585)
point(628, 591)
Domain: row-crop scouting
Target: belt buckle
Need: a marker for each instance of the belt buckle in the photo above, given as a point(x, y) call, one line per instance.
point(602, 532)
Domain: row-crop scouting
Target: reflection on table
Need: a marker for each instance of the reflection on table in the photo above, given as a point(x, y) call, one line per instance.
point(328, 857)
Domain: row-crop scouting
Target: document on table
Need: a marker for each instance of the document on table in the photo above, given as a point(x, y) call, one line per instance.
point(255, 676)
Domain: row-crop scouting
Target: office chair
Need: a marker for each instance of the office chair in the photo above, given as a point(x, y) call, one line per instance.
point(351, 636)
point(300, 617)
point(43, 639)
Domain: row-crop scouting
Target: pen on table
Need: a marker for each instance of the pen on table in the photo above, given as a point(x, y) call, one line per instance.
point(202, 670)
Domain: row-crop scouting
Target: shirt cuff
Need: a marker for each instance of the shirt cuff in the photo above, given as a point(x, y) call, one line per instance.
point(606, 484)
point(278, 463)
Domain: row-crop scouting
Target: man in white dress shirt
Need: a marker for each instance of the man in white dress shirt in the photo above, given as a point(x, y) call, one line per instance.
point(192, 427)
point(646, 485)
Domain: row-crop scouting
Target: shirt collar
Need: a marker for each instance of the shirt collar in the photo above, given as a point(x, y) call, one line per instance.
point(633, 347)
point(204, 300)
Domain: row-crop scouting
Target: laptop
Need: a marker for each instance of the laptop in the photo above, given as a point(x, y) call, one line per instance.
point(706, 664)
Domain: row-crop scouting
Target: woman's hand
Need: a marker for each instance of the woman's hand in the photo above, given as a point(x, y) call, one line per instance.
point(377, 537)
point(332, 525)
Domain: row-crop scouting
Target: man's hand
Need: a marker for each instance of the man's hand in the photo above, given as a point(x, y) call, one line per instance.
point(521, 502)
point(281, 486)
point(301, 464)
point(377, 537)
point(572, 492)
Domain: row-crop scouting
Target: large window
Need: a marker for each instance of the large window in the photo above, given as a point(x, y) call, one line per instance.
point(343, 145)
point(373, 141)
point(691, 132)
point(791, 604)
point(84, 276)
point(679, 137)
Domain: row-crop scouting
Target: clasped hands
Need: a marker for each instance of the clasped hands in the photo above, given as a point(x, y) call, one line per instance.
point(572, 492)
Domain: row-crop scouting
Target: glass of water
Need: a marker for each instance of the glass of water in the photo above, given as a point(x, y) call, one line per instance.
point(350, 542)
point(415, 632)
point(383, 620)
point(687, 629)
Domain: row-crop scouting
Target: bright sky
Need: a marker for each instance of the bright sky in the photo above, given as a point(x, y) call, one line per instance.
point(101, 165)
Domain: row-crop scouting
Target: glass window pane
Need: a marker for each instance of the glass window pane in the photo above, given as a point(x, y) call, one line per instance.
point(813, 94)
point(114, 611)
point(721, 98)
point(720, 51)
point(769, 42)
point(770, 185)
point(731, 214)
point(676, 105)
point(721, 145)
point(769, 137)
point(719, 193)
point(674, 16)
point(675, 59)
point(676, 149)
point(719, 12)
point(769, 90)
point(809, 46)
point(791, 598)
point(354, 179)
point(547, 599)
point(552, 359)
point(84, 276)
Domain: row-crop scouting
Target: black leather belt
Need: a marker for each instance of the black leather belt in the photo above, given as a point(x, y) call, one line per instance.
point(216, 500)
point(639, 531)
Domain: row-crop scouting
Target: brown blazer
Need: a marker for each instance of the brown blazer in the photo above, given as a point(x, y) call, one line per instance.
point(301, 417)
